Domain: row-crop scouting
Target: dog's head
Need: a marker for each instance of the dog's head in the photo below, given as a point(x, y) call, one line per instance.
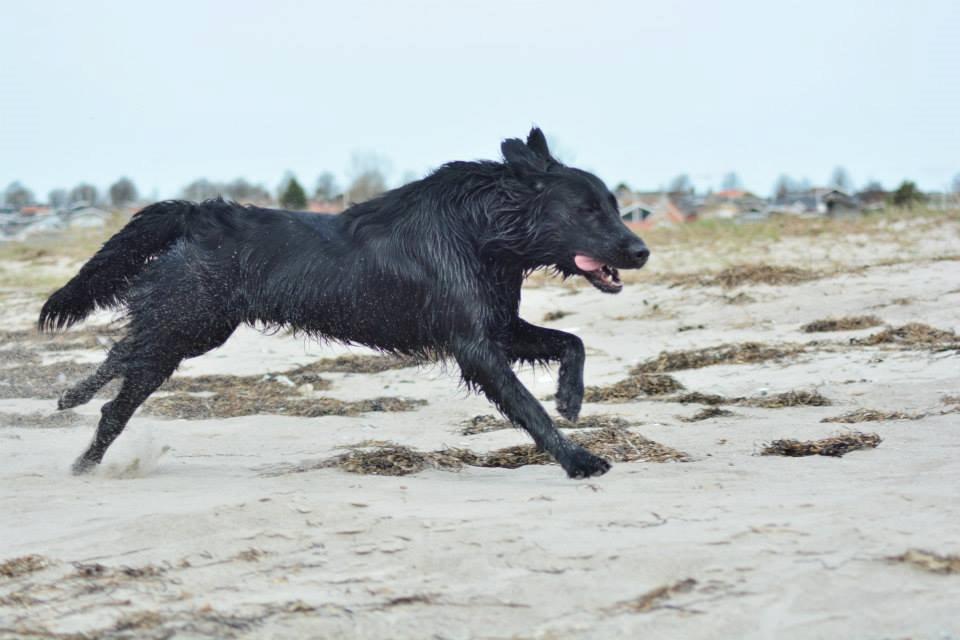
point(577, 216)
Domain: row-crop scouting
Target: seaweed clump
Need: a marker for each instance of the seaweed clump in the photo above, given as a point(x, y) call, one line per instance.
point(744, 353)
point(834, 446)
point(741, 274)
point(845, 323)
point(930, 561)
point(391, 459)
point(488, 423)
point(635, 386)
point(873, 415)
point(913, 334)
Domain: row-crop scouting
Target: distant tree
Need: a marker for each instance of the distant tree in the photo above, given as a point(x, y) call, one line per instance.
point(731, 181)
point(783, 187)
point(956, 184)
point(622, 187)
point(242, 191)
point(906, 195)
point(201, 189)
point(16, 195)
point(58, 198)
point(123, 192)
point(365, 186)
point(293, 197)
point(326, 187)
point(680, 185)
point(840, 180)
point(872, 186)
point(83, 193)
point(368, 178)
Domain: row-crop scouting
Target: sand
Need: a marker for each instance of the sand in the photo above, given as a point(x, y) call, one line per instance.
point(193, 528)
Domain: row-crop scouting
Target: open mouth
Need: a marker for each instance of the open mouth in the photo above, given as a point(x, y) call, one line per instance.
point(600, 275)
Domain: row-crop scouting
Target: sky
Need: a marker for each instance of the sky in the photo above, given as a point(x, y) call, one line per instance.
point(635, 91)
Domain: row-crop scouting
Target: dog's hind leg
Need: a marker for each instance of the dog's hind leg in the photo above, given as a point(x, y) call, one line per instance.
point(485, 365)
point(137, 386)
point(83, 391)
point(148, 360)
point(539, 344)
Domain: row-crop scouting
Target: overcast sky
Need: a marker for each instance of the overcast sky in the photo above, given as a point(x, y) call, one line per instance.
point(635, 91)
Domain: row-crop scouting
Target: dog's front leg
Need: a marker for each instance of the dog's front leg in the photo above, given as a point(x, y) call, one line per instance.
point(486, 366)
point(537, 344)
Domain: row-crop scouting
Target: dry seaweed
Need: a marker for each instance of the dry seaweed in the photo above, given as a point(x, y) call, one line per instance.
point(487, 423)
point(22, 565)
point(739, 298)
point(787, 399)
point(552, 316)
point(930, 561)
point(388, 460)
point(873, 415)
point(846, 323)
point(275, 399)
point(17, 354)
point(700, 398)
point(139, 621)
point(91, 337)
point(742, 274)
point(57, 420)
point(615, 444)
point(95, 570)
point(801, 398)
point(46, 380)
point(306, 374)
point(633, 387)
point(835, 446)
point(744, 353)
point(484, 424)
point(914, 334)
point(216, 383)
point(707, 413)
point(385, 458)
point(654, 598)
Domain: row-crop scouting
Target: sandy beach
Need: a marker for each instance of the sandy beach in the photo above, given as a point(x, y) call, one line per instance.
point(212, 519)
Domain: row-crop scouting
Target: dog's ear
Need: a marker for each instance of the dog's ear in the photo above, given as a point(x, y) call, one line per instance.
point(537, 143)
point(522, 157)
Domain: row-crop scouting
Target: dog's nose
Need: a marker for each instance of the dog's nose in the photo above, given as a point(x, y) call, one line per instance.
point(639, 252)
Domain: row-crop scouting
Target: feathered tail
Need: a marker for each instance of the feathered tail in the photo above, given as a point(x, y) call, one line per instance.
point(103, 280)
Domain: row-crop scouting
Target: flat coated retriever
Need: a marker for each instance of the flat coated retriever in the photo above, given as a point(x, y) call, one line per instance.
point(432, 269)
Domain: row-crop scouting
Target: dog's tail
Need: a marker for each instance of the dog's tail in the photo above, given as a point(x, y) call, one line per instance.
point(103, 280)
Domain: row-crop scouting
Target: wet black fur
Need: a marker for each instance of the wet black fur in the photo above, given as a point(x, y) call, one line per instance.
point(433, 268)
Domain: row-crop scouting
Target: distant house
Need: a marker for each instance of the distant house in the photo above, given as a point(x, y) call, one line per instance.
point(648, 209)
point(839, 204)
point(872, 199)
point(34, 211)
point(86, 218)
point(818, 201)
point(27, 226)
point(730, 203)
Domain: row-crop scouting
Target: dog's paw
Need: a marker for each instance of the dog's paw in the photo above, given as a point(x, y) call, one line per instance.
point(68, 401)
point(82, 466)
point(583, 464)
point(569, 401)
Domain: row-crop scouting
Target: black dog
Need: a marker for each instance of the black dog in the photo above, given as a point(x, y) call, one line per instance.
point(433, 269)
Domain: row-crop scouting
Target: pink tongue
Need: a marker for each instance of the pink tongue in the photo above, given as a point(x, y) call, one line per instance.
point(586, 264)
